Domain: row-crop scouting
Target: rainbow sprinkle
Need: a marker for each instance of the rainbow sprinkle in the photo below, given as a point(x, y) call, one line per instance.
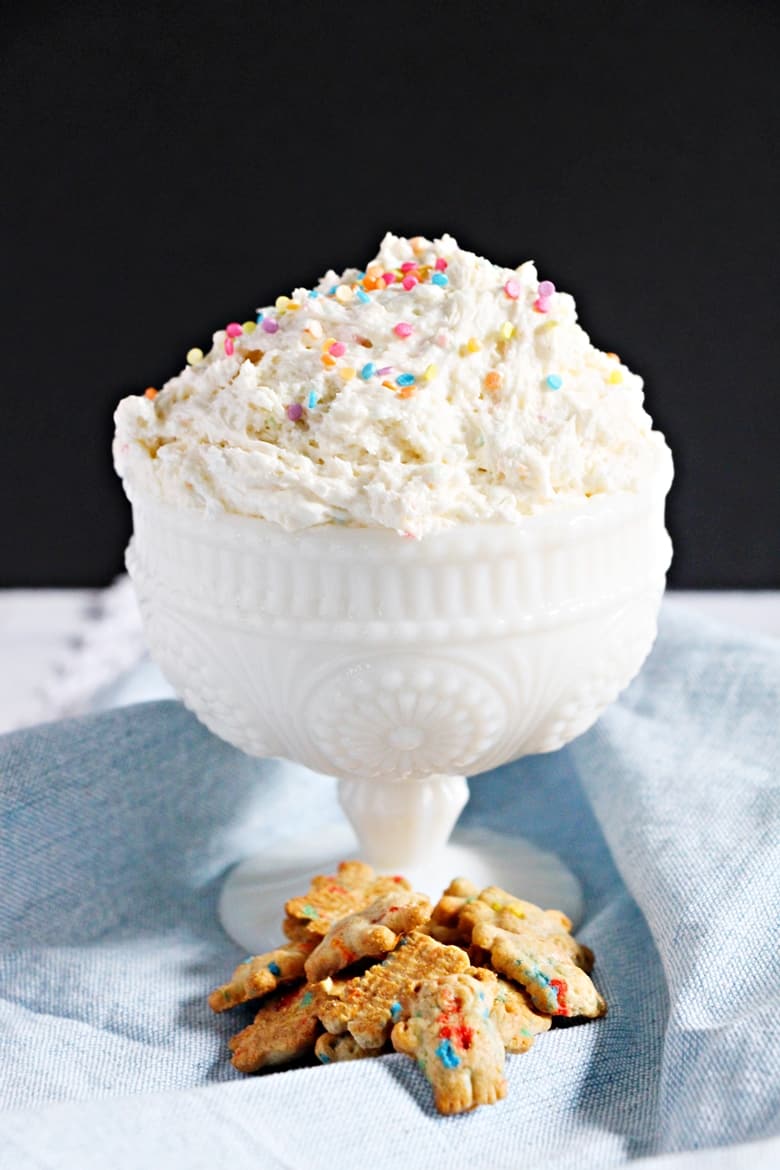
point(357, 286)
point(447, 1054)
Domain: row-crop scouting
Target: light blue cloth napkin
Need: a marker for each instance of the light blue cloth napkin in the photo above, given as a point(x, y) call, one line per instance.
point(116, 830)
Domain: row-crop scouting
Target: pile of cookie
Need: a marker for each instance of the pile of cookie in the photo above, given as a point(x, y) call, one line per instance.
point(370, 966)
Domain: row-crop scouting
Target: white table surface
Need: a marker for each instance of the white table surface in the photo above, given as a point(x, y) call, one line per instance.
point(67, 651)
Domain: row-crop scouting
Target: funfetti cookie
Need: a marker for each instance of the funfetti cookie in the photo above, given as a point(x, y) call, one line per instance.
point(262, 974)
point(496, 907)
point(284, 1029)
point(368, 1005)
point(332, 896)
point(555, 984)
point(451, 1034)
point(366, 933)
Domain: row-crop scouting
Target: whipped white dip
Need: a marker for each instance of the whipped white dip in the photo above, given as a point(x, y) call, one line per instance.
point(434, 389)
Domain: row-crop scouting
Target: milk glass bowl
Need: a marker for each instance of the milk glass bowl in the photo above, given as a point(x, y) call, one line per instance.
point(400, 666)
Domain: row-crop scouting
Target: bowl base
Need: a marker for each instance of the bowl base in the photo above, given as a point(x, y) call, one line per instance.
point(251, 905)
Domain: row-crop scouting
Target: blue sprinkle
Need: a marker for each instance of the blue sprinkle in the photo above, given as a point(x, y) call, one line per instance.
point(363, 296)
point(360, 275)
point(274, 968)
point(323, 1058)
point(368, 371)
point(446, 1054)
point(554, 381)
point(311, 402)
point(307, 999)
point(440, 279)
point(332, 291)
point(259, 318)
point(314, 294)
point(405, 380)
point(395, 1010)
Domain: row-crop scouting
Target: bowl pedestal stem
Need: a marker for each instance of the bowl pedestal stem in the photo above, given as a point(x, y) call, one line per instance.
point(402, 824)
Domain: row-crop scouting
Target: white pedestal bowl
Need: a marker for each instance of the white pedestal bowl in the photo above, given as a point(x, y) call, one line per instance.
point(400, 666)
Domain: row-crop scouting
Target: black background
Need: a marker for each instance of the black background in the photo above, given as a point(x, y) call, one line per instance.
point(171, 166)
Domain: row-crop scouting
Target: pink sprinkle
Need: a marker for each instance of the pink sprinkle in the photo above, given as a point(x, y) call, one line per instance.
point(542, 304)
point(512, 289)
point(388, 277)
point(546, 288)
point(229, 346)
point(408, 266)
point(409, 282)
point(441, 264)
point(234, 329)
point(385, 370)
point(269, 325)
point(294, 411)
point(402, 329)
point(338, 349)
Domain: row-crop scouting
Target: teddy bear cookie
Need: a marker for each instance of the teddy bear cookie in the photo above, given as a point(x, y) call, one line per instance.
point(368, 1005)
point(367, 933)
point(330, 897)
point(451, 1034)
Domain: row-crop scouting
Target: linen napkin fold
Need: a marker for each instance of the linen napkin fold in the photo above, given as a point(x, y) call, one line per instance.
point(116, 831)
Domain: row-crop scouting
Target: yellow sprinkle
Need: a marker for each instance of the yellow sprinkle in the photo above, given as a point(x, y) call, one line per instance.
point(344, 293)
point(496, 906)
point(472, 345)
point(194, 356)
point(347, 373)
point(507, 330)
point(327, 343)
point(282, 303)
point(515, 911)
point(430, 372)
point(615, 377)
point(293, 305)
point(249, 326)
point(388, 385)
